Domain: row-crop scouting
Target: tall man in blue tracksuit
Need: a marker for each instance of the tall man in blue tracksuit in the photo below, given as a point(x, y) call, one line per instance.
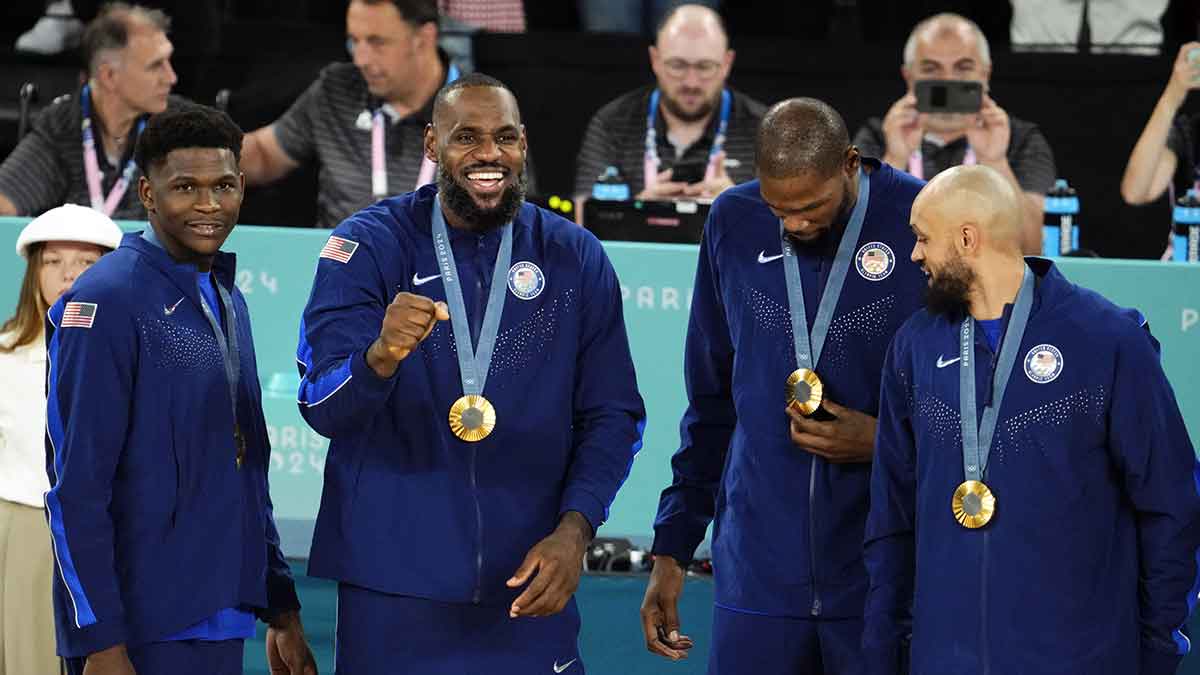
point(1034, 504)
point(156, 444)
point(466, 353)
point(799, 288)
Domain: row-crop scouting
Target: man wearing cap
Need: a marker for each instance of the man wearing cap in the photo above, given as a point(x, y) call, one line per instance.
point(159, 511)
point(80, 149)
point(57, 246)
point(1035, 504)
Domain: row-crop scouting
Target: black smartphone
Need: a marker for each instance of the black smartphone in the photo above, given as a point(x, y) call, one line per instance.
point(949, 96)
point(688, 172)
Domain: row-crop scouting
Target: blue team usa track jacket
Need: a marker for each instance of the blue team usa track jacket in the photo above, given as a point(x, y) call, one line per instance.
point(1089, 565)
point(154, 526)
point(408, 508)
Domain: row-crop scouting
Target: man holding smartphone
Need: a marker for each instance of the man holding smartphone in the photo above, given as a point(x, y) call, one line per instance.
point(689, 136)
point(925, 135)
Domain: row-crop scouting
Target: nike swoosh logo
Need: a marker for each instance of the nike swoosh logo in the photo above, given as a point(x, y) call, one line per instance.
point(421, 281)
point(943, 363)
point(763, 258)
point(168, 311)
point(559, 669)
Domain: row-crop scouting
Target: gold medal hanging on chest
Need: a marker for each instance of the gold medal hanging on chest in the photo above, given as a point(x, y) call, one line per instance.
point(472, 418)
point(804, 391)
point(973, 504)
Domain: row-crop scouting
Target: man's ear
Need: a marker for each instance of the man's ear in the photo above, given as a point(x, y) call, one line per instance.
point(431, 143)
point(146, 194)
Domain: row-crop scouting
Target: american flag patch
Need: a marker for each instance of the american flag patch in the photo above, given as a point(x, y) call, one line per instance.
point(339, 249)
point(79, 315)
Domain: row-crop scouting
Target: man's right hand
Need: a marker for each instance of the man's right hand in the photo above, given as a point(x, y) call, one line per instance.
point(664, 188)
point(1185, 76)
point(903, 128)
point(111, 661)
point(409, 320)
point(660, 610)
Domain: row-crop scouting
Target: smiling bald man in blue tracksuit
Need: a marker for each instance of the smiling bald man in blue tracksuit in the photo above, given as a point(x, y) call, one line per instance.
point(1080, 555)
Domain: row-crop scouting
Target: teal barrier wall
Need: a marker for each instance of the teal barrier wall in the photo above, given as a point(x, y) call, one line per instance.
point(275, 273)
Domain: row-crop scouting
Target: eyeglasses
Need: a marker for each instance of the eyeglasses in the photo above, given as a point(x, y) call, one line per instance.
point(705, 70)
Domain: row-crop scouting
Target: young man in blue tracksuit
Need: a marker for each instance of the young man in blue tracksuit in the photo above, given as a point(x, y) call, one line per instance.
point(1034, 504)
point(156, 444)
point(788, 492)
point(466, 354)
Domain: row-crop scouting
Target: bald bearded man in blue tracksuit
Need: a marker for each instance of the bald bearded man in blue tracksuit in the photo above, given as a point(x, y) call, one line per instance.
point(1034, 500)
point(788, 493)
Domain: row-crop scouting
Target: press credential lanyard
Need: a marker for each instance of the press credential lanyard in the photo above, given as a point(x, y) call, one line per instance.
point(652, 162)
point(379, 180)
point(91, 165)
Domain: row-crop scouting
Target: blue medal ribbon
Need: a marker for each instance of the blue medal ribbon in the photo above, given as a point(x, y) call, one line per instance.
point(977, 434)
point(808, 351)
point(473, 363)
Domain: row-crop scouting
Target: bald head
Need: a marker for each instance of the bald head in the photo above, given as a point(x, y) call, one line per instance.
point(692, 23)
point(975, 195)
point(798, 136)
point(944, 26)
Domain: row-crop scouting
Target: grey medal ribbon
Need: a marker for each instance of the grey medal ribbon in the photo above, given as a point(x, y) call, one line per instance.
point(977, 434)
point(808, 351)
point(473, 363)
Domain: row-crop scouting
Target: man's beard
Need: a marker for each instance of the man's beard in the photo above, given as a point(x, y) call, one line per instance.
point(687, 116)
point(458, 199)
point(949, 292)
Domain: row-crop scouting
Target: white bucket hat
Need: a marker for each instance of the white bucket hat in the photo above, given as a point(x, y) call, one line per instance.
point(70, 222)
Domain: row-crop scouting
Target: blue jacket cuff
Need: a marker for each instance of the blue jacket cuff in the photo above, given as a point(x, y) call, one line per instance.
point(579, 499)
point(675, 542)
point(78, 642)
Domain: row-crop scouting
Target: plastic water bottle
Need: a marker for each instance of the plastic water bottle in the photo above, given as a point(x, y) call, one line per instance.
point(1060, 229)
point(611, 186)
point(1187, 227)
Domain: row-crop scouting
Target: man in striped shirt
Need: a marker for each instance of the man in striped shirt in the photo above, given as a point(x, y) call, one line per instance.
point(668, 141)
point(80, 149)
point(364, 122)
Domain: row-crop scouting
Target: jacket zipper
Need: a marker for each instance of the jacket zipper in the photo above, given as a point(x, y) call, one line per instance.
point(984, 651)
point(477, 325)
point(815, 610)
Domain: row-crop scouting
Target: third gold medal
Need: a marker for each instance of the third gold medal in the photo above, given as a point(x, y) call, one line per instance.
point(803, 390)
point(472, 417)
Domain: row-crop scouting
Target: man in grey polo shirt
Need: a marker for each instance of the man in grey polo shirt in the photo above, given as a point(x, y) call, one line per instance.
point(951, 47)
point(80, 148)
point(364, 123)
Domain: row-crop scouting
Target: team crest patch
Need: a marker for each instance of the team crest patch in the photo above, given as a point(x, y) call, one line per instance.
point(1043, 363)
point(339, 249)
point(526, 280)
point(875, 261)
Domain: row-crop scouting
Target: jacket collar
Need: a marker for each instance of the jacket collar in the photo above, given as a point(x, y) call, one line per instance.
point(183, 274)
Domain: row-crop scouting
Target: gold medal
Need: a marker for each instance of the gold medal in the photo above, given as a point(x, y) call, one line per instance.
point(472, 418)
point(804, 391)
point(973, 504)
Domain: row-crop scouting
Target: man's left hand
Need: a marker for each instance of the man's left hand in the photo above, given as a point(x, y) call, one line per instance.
point(709, 188)
point(849, 438)
point(287, 649)
point(989, 133)
point(554, 564)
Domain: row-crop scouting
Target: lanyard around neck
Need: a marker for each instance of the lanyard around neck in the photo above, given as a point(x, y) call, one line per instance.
point(91, 164)
point(652, 160)
point(379, 179)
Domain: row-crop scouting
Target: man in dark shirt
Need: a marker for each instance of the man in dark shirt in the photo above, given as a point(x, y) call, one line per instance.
point(128, 60)
point(698, 136)
point(364, 122)
point(951, 47)
point(1169, 147)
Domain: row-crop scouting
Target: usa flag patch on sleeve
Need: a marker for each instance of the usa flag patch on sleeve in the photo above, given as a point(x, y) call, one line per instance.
point(339, 249)
point(79, 315)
